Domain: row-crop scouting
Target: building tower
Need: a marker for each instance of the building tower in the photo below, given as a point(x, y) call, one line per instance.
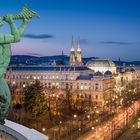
point(72, 53)
point(79, 54)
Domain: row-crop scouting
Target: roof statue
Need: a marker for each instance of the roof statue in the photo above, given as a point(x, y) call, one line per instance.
point(6, 39)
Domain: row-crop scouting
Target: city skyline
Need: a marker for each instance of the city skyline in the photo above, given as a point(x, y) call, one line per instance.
point(108, 29)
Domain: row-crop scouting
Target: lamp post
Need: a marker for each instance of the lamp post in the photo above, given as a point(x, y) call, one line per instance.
point(79, 128)
point(59, 135)
point(139, 123)
point(54, 134)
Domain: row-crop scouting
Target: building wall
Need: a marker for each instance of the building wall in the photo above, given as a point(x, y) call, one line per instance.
point(97, 88)
point(124, 80)
point(137, 74)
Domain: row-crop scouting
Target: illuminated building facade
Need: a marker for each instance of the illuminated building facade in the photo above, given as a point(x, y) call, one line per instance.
point(101, 65)
point(95, 86)
point(95, 81)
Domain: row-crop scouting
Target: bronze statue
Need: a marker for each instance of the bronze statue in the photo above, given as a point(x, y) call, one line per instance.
point(5, 53)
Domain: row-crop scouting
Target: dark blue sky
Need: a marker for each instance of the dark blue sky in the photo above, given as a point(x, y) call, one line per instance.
point(108, 28)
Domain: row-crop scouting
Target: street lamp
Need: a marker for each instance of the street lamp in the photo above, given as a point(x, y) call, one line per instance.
point(75, 116)
point(97, 120)
point(88, 116)
point(139, 123)
point(13, 82)
point(97, 111)
point(92, 128)
point(24, 85)
point(60, 122)
point(43, 129)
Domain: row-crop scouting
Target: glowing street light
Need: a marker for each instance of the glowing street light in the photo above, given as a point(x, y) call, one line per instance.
point(96, 120)
point(97, 111)
point(43, 129)
point(14, 82)
point(24, 85)
point(92, 128)
point(88, 116)
point(75, 116)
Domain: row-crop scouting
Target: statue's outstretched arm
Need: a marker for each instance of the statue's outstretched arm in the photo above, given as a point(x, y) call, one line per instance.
point(14, 36)
point(21, 29)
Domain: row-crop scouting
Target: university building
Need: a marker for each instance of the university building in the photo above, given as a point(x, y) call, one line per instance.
point(95, 80)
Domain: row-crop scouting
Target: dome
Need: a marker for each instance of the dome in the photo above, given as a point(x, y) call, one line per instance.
point(108, 73)
point(101, 65)
point(98, 73)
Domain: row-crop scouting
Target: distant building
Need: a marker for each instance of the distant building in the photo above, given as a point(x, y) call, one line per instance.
point(79, 54)
point(95, 86)
point(126, 80)
point(75, 59)
point(95, 81)
point(72, 54)
point(137, 74)
point(102, 65)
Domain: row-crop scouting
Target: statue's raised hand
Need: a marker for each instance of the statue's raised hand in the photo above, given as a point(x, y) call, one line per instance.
point(8, 18)
point(26, 20)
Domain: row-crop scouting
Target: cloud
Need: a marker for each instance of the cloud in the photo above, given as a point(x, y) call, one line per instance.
point(34, 54)
point(40, 36)
point(84, 41)
point(116, 43)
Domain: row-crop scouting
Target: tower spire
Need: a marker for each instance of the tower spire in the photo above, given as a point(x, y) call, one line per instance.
point(79, 47)
point(72, 53)
point(79, 53)
point(72, 45)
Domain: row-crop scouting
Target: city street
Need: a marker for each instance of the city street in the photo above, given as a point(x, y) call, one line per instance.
point(133, 131)
point(110, 129)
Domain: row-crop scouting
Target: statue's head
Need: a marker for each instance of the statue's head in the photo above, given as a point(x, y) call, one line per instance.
point(1, 22)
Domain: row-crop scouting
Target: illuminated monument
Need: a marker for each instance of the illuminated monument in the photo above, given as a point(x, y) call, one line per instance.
point(11, 129)
point(5, 53)
point(75, 59)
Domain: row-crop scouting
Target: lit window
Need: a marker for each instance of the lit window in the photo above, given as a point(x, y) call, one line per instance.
point(82, 87)
point(24, 85)
point(86, 88)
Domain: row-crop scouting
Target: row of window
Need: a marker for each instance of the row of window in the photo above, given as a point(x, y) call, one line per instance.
point(39, 77)
point(62, 85)
point(81, 96)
